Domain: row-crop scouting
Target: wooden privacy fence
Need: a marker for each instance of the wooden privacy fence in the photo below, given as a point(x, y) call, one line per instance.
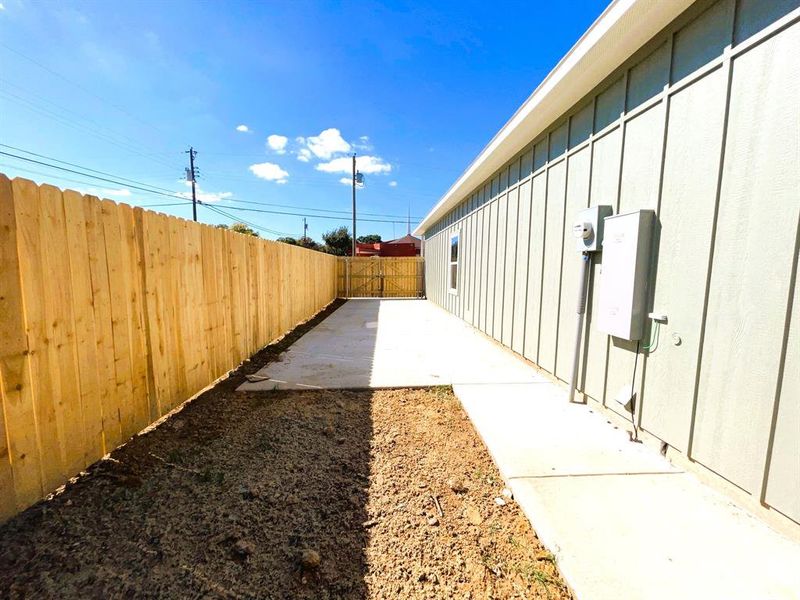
point(110, 316)
point(381, 277)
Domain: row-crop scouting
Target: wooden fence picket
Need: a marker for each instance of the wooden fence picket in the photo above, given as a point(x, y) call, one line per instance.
point(111, 316)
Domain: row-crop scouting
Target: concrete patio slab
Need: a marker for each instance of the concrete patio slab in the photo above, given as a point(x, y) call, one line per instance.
point(621, 520)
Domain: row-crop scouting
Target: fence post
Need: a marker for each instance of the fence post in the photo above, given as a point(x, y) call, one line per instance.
point(21, 485)
point(380, 276)
point(347, 276)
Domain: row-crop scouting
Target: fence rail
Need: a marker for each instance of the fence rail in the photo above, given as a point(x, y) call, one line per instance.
point(381, 277)
point(110, 316)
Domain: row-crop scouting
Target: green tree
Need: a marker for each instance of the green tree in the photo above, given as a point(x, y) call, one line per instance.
point(288, 240)
point(307, 242)
point(338, 242)
point(240, 228)
point(372, 238)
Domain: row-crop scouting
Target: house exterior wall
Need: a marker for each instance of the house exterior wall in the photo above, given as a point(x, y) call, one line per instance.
point(703, 126)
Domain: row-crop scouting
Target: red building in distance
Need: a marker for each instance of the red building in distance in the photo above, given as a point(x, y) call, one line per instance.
point(405, 246)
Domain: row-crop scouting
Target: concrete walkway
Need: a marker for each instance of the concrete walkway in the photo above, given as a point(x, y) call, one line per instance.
point(623, 523)
point(392, 343)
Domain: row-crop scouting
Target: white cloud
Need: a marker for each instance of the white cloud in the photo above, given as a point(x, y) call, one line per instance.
point(327, 143)
point(363, 144)
point(105, 192)
point(2, 7)
point(243, 128)
point(327, 149)
point(211, 196)
point(202, 195)
point(270, 172)
point(118, 193)
point(277, 143)
point(366, 164)
point(392, 184)
point(349, 181)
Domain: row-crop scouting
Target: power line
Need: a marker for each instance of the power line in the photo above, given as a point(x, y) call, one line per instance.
point(43, 174)
point(164, 204)
point(124, 180)
point(31, 171)
point(328, 210)
point(416, 194)
point(167, 204)
point(83, 89)
point(115, 182)
point(131, 144)
point(64, 162)
point(294, 214)
point(250, 223)
point(86, 130)
point(137, 185)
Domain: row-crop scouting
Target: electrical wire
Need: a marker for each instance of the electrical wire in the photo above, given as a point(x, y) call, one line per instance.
point(43, 174)
point(164, 204)
point(40, 102)
point(120, 180)
point(328, 210)
point(634, 399)
point(105, 136)
point(99, 192)
point(238, 220)
point(312, 183)
point(151, 189)
point(83, 130)
point(185, 202)
point(83, 89)
point(278, 212)
point(114, 181)
point(71, 123)
point(64, 162)
point(653, 337)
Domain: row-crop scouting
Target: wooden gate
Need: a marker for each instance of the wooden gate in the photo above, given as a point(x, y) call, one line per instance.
point(381, 277)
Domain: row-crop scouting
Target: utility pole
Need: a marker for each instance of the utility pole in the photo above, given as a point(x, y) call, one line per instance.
point(358, 178)
point(305, 228)
point(354, 204)
point(191, 175)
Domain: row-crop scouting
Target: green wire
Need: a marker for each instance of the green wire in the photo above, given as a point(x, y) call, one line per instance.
point(654, 338)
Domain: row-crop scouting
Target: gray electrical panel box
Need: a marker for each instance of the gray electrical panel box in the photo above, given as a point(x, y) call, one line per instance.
point(623, 283)
point(588, 228)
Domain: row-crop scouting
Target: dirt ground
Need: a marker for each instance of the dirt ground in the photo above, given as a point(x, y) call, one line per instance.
point(285, 494)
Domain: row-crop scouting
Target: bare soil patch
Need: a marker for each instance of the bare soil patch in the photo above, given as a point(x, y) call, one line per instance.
point(285, 494)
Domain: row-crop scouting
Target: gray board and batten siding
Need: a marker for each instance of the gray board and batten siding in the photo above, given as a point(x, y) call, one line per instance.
point(701, 125)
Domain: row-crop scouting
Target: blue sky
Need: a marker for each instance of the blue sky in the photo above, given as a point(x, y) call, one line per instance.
point(415, 89)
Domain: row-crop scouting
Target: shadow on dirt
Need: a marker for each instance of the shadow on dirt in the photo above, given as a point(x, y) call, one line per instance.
point(238, 495)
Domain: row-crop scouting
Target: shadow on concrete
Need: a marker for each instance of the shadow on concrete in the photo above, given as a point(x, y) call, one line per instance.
point(339, 353)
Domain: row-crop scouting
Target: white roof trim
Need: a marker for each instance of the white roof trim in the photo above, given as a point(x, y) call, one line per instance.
point(623, 28)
